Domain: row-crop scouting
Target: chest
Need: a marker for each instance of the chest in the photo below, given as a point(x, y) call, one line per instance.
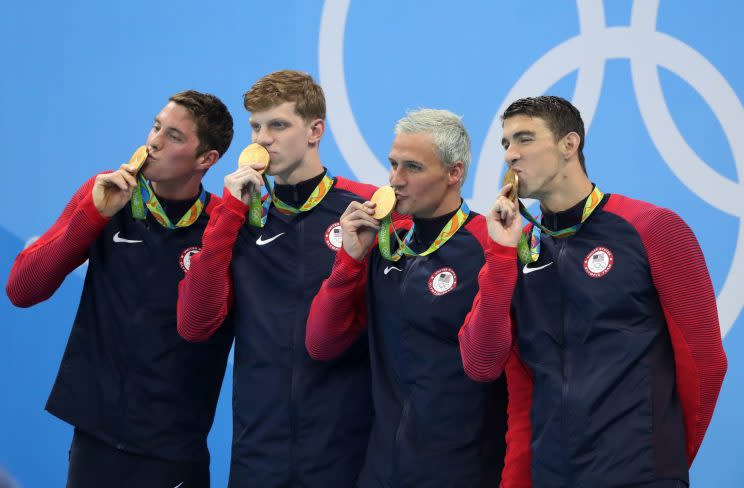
point(593, 285)
point(427, 294)
point(291, 254)
point(142, 262)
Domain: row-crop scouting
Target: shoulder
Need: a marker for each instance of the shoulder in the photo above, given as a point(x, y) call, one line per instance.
point(648, 219)
point(212, 202)
point(476, 225)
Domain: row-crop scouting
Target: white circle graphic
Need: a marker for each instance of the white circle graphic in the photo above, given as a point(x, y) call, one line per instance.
point(586, 53)
point(184, 259)
point(598, 262)
point(334, 237)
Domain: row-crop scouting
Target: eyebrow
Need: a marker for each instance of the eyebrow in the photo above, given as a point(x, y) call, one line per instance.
point(169, 129)
point(173, 129)
point(276, 119)
point(410, 161)
point(517, 135)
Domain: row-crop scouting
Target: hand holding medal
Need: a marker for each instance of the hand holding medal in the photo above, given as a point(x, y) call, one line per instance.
point(361, 221)
point(256, 159)
point(245, 183)
point(384, 199)
point(504, 222)
point(111, 191)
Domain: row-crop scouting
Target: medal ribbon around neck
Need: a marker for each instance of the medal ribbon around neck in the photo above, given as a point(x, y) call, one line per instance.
point(387, 228)
point(259, 211)
point(528, 248)
point(144, 199)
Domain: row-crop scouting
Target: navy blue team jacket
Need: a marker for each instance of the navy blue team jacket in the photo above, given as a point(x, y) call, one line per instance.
point(126, 377)
point(296, 422)
point(433, 425)
point(618, 360)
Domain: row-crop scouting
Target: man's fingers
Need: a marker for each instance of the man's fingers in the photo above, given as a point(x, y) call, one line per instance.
point(244, 179)
point(356, 225)
point(508, 219)
point(126, 173)
point(503, 210)
point(364, 214)
point(353, 207)
point(116, 180)
point(254, 180)
point(127, 168)
point(248, 169)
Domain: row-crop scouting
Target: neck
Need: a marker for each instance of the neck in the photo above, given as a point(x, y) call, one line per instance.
point(297, 194)
point(183, 189)
point(567, 194)
point(426, 230)
point(308, 168)
point(449, 204)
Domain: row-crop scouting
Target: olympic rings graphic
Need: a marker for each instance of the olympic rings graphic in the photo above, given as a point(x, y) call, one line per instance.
point(596, 43)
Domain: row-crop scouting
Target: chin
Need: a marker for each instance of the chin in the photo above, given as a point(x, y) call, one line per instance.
point(403, 209)
point(273, 169)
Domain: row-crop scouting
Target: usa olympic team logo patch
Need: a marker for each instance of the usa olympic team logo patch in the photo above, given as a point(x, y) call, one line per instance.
point(333, 237)
point(185, 260)
point(442, 281)
point(598, 262)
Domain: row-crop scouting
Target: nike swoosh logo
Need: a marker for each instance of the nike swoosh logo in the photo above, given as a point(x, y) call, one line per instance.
point(125, 241)
point(390, 268)
point(179, 484)
point(527, 270)
point(262, 242)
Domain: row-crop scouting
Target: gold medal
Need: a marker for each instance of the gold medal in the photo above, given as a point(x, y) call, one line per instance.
point(511, 177)
point(385, 199)
point(138, 158)
point(254, 153)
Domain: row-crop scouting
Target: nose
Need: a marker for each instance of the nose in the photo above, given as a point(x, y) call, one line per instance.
point(154, 144)
point(396, 178)
point(511, 156)
point(262, 136)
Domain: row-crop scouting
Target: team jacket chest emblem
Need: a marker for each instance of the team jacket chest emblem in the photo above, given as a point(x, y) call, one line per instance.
point(185, 259)
point(333, 236)
point(598, 262)
point(442, 281)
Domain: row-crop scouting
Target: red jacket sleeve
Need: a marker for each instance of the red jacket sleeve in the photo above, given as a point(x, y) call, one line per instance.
point(338, 313)
point(516, 472)
point(485, 336)
point(40, 268)
point(205, 293)
point(680, 275)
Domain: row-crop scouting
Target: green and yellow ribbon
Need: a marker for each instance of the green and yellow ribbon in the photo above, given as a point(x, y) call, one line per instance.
point(144, 200)
point(387, 228)
point(528, 248)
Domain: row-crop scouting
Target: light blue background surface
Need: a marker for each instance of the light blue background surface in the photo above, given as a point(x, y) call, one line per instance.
point(82, 80)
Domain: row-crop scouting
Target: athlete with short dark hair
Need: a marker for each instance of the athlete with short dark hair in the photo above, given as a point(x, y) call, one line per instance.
point(141, 399)
point(617, 359)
